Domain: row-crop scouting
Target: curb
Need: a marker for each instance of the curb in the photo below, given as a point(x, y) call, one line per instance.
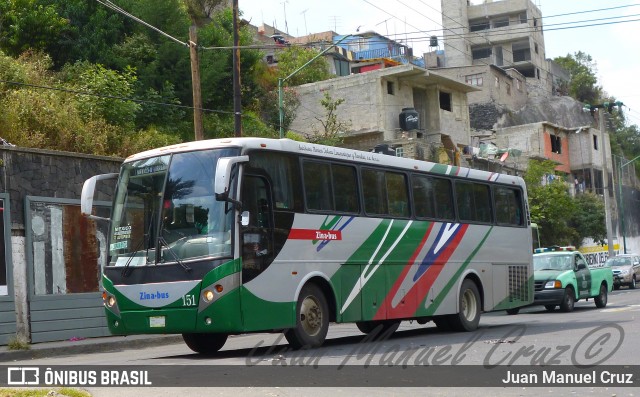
point(88, 346)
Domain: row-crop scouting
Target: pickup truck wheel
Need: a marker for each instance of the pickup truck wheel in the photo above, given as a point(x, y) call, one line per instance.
point(633, 283)
point(513, 311)
point(550, 308)
point(601, 299)
point(568, 301)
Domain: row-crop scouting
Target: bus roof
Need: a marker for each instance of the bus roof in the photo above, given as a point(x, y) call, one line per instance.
point(330, 152)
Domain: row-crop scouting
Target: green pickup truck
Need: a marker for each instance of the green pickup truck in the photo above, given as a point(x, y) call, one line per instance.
point(562, 277)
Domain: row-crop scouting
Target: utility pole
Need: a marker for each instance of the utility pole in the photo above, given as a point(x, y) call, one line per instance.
point(237, 98)
point(195, 82)
point(605, 182)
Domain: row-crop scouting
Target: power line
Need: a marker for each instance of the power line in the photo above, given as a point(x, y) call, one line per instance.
point(109, 4)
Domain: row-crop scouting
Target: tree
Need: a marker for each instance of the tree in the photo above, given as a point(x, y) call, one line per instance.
point(294, 57)
point(583, 70)
point(563, 219)
point(588, 219)
point(549, 203)
point(332, 126)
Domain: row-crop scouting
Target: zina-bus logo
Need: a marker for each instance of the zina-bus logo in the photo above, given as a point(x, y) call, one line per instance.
point(23, 376)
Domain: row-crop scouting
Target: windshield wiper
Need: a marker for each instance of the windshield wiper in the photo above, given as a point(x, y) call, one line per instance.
point(125, 270)
point(161, 242)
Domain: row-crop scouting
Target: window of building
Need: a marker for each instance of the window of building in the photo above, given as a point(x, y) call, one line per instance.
point(595, 142)
point(269, 59)
point(445, 101)
point(535, 23)
point(535, 47)
point(481, 53)
point(518, 85)
point(523, 17)
point(390, 88)
point(399, 151)
point(508, 89)
point(501, 23)
point(556, 144)
point(474, 79)
point(496, 82)
point(476, 26)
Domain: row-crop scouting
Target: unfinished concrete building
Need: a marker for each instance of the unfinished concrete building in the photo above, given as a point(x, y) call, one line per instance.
point(505, 33)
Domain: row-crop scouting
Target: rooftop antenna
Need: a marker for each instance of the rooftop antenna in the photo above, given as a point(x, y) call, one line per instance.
point(304, 16)
point(284, 6)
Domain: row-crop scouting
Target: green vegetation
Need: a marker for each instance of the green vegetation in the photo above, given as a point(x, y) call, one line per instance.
point(78, 76)
point(563, 220)
point(58, 392)
point(16, 343)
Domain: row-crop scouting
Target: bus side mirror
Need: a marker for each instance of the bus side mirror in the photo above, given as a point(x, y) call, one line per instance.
point(223, 174)
point(88, 194)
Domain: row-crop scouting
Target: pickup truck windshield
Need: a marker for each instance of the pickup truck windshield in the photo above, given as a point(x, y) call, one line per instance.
point(552, 262)
point(165, 210)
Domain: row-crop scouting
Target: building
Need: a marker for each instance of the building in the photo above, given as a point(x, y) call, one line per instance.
point(374, 101)
point(505, 33)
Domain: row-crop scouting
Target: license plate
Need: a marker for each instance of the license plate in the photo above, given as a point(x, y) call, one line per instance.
point(157, 322)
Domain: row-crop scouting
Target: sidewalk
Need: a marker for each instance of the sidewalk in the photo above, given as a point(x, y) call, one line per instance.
point(89, 345)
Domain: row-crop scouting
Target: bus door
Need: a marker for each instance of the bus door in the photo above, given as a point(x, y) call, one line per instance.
point(256, 238)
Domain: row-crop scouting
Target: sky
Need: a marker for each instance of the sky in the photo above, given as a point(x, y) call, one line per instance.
point(615, 47)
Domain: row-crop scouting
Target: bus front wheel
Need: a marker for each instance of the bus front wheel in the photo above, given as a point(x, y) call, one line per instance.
point(312, 319)
point(468, 316)
point(205, 343)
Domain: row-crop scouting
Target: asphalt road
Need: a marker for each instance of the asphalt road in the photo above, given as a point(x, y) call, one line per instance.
point(597, 339)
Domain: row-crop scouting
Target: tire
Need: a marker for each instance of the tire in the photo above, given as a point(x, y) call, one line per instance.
point(205, 343)
point(513, 311)
point(468, 317)
point(633, 283)
point(384, 327)
point(312, 319)
point(601, 299)
point(550, 308)
point(568, 300)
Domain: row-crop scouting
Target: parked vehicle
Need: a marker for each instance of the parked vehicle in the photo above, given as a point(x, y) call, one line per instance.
point(626, 270)
point(562, 277)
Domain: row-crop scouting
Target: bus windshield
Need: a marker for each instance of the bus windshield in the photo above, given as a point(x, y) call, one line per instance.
point(165, 210)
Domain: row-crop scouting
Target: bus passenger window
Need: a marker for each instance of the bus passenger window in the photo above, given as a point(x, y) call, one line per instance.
point(508, 206)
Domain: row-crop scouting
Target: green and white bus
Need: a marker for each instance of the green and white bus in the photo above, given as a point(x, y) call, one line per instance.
point(229, 236)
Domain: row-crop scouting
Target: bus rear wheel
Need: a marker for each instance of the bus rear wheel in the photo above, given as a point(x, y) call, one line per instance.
point(468, 316)
point(312, 319)
point(383, 327)
point(205, 343)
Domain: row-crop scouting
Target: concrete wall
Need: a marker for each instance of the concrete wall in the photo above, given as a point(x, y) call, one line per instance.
point(374, 100)
point(43, 173)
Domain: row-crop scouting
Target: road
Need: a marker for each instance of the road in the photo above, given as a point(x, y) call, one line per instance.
point(535, 337)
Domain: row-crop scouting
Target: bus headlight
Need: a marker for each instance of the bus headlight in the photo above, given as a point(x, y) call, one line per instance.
point(111, 301)
point(553, 284)
point(207, 295)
